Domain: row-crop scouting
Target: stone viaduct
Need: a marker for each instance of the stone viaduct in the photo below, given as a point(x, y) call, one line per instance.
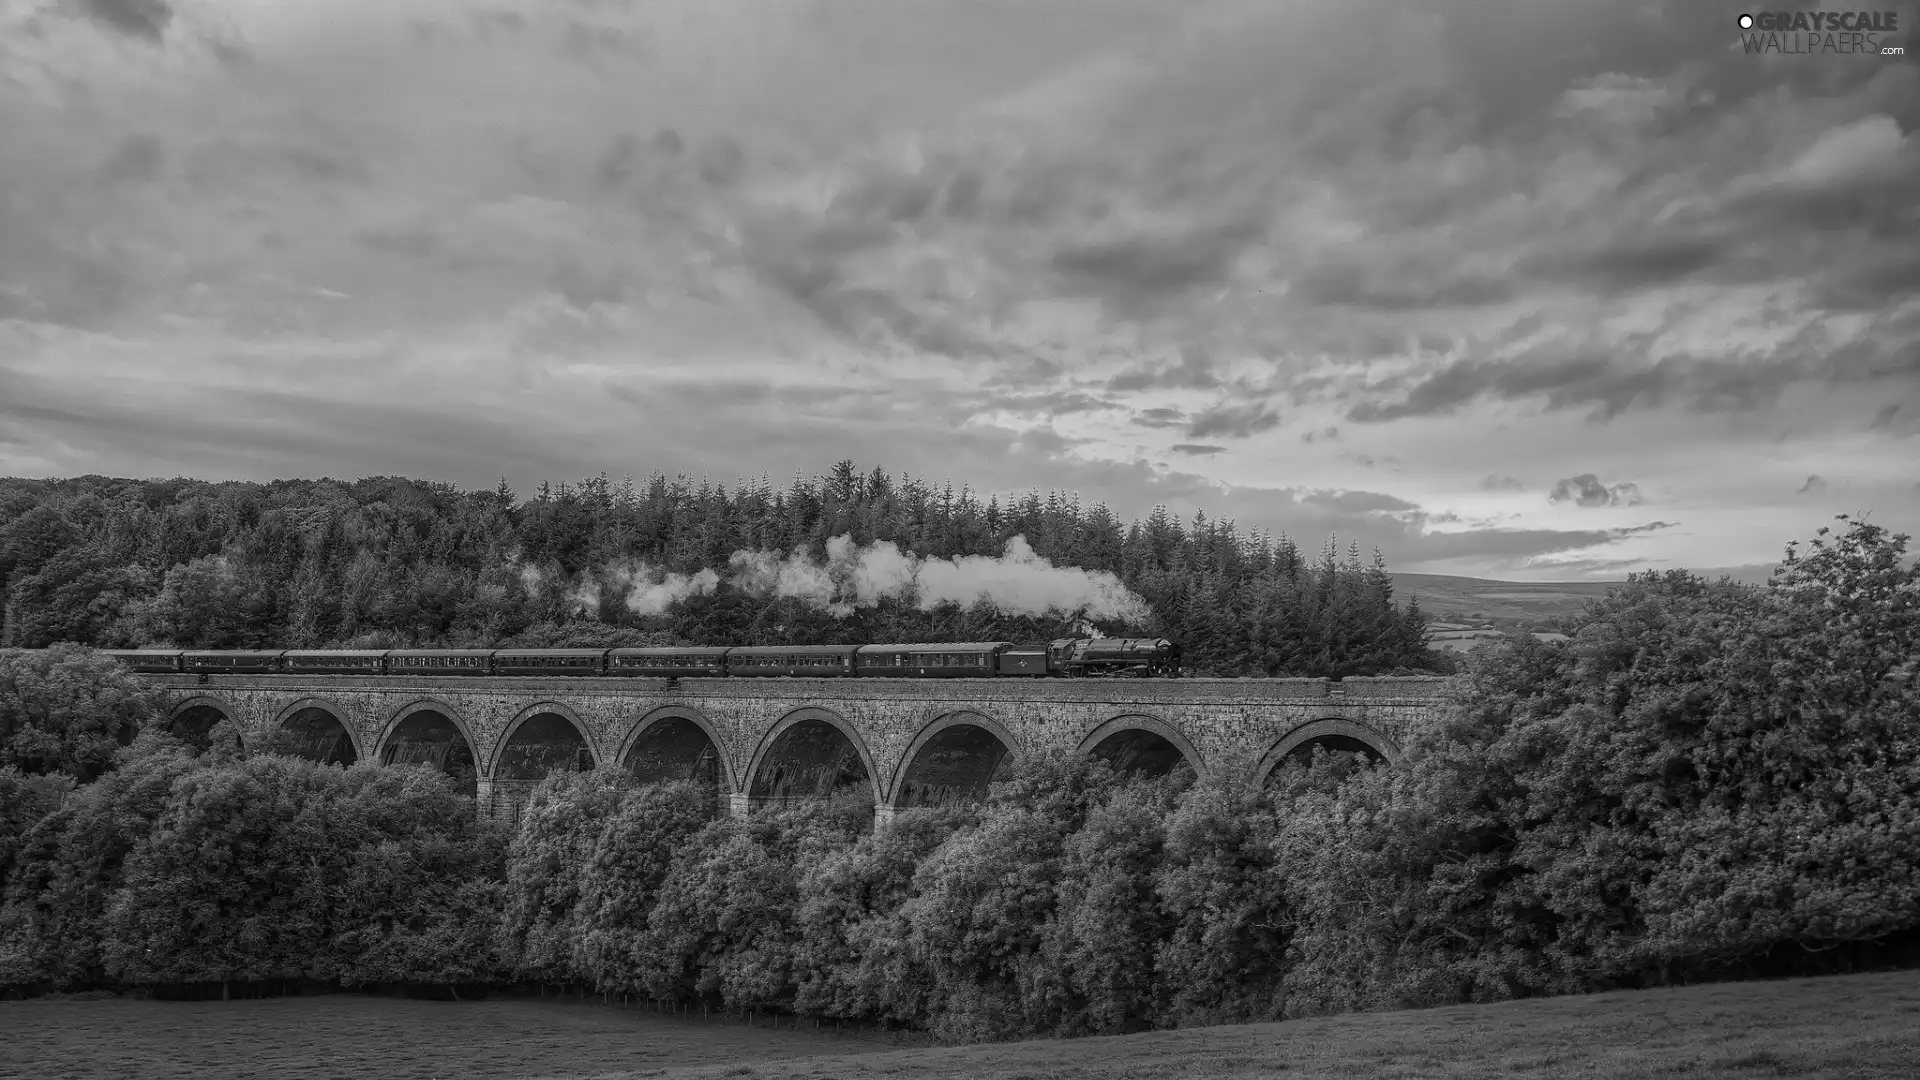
point(904, 742)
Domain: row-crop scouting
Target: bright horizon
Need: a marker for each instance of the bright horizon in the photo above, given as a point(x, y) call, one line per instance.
point(1523, 290)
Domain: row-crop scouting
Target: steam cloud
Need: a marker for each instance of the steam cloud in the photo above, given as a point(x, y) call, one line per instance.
point(1015, 583)
point(648, 589)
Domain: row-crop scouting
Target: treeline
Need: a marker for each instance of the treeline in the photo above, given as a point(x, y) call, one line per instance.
point(1709, 780)
point(387, 562)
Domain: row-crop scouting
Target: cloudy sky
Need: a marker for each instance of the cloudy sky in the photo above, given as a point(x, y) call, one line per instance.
point(1521, 288)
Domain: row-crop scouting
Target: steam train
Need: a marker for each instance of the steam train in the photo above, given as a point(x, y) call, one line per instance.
point(1065, 658)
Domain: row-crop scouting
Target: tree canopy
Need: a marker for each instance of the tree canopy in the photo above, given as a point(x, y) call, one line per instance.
point(387, 562)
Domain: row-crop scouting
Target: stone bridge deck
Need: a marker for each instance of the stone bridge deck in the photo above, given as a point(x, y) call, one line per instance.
point(910, 741)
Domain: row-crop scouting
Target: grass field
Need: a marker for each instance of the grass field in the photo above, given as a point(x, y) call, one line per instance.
point(1855, 1026)
point(369, 1038)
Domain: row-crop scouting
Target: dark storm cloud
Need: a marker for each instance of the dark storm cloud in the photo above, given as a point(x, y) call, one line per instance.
point(136, 18)
point(1884, 418)
point(1198, 449)
point(1874, 281)
point(136, 159)
point(1587, 490)
point(1045, 403)
point(1234, 421)
point(487, 23)
point(1147, 268)
point(1193, 371)
point(1501, 483)
point(412, 241)
point(1610, 380)
point(1462, 382)
point(819, 264)
point(702, 395)
point(618, 162)
point(1396, 287)
point(582, 286)
point(1359, 502)
point(1159, 418)
point(278, 433)
point(1629, 264)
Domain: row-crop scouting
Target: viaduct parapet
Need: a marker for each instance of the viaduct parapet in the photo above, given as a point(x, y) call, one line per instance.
point(907, 742)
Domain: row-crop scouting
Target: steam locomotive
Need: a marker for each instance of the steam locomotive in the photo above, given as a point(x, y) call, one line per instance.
point(1065, 658)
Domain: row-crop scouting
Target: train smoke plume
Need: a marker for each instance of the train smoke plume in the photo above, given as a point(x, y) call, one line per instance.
point(646, 589)
point(1017, 582)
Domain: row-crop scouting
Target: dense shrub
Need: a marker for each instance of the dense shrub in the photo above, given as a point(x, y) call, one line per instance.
point(67, 709)
point(178, 869)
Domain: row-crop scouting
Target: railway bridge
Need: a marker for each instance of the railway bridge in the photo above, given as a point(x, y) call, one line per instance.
point(904, 742)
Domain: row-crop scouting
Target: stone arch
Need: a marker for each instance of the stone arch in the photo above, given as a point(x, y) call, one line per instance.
point(340, 718)
point(193, 720)
point(944, 728)
point(797, 719)
point(388, 743)
point(497, 760)
point(654, 720)
point(1119, 728)
point(1336, 732)
point(424, 705)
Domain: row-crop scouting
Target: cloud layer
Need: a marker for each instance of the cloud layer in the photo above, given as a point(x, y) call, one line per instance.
point(1416, 274)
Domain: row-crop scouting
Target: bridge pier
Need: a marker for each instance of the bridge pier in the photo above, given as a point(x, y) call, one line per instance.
point(738, 805)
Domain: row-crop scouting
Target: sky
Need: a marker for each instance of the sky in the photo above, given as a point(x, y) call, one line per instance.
point(1526, 289)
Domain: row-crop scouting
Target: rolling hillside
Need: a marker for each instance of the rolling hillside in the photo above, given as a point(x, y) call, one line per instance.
point(1479, 601)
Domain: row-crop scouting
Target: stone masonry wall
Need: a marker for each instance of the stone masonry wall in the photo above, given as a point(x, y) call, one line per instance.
point(1220, 724)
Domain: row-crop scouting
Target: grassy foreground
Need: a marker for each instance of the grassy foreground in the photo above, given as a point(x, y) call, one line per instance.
point(1843, 1026)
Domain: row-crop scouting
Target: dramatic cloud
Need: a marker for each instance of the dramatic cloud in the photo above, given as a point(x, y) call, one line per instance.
point(138, 18)
point(1587, 490)
point(1228, 255)
point(1234, 421)
point(1814, 483)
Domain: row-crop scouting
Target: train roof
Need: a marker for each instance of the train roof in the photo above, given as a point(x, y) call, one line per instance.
point(143, 652)
point(441, 652)
point(672, 650)
point(233, 652)
point(921, 648)
point(789, 650)
point(338, 652)
point(549, 652)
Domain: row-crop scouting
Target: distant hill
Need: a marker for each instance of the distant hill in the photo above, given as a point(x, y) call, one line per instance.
point(1445, 598)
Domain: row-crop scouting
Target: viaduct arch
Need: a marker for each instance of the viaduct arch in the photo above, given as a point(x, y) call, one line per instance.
point(319, 730)
point(193, 720)
point(677, 742)
point(898, 742)
point(1332, 732)
point(954, 755)
point(809, 752)
point(428, 731)
point(1144, 743)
